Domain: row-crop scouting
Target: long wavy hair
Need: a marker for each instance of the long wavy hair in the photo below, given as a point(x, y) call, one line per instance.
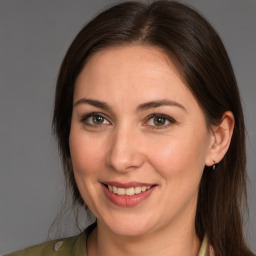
point(199, 55)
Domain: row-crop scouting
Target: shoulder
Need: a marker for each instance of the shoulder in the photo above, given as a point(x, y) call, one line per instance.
point(54, 248)
point(72, 246)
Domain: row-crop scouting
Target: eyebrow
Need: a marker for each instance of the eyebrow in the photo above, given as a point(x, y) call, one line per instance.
point(159, 103)
point(95, 103)
point(141, 107)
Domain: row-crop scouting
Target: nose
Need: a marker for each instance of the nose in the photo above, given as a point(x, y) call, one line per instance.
point(125, 151)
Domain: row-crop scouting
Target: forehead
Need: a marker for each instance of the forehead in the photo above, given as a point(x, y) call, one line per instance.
point(137, 55)
point(125, 77)
point(133, 67)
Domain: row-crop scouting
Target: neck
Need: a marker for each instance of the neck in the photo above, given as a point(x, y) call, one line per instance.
point(161, 243)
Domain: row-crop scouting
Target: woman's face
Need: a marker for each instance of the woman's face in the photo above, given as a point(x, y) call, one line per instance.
point(138, 141)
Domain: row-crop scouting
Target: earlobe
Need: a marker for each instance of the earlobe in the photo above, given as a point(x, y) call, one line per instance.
point(220, 139)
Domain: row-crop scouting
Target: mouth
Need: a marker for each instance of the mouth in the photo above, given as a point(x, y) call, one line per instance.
point(131, 191)
point(128, 194)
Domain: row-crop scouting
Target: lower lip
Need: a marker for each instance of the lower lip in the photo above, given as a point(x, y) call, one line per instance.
point(127, 201)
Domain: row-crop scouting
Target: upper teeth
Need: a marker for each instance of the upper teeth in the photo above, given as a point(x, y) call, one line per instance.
point(128, 191)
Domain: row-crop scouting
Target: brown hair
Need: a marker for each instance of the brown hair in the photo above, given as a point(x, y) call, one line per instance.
point(203, 63)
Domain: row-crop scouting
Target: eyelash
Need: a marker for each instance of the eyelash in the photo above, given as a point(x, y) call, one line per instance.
point(85, 118)
point(163, 116)
point(169, 119)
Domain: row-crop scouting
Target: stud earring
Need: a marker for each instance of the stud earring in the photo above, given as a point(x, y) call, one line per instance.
point(214, 165)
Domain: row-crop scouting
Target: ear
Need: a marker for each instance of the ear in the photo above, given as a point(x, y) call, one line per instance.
point(220, 139)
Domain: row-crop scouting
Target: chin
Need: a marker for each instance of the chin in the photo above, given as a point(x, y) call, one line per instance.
point(129, 226)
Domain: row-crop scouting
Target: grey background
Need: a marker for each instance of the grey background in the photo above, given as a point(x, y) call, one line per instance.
point(34, 35)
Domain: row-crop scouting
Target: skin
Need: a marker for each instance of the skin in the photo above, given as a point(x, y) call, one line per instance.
point(130, 146)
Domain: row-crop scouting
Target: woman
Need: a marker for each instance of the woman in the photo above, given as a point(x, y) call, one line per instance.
point(151, 133)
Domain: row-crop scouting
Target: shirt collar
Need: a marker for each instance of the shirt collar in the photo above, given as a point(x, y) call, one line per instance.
point(204, 247)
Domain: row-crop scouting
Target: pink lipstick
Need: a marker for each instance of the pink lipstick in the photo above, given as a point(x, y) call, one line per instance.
point(127, 194)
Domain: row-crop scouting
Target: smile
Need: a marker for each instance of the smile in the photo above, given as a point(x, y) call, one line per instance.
point(127, 194)
point(128, 191)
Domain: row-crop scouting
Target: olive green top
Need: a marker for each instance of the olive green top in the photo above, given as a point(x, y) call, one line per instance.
point(74, 246)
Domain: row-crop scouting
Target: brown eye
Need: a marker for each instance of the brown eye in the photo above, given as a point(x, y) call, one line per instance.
point(159, 121)
point(98, 119)
point(95, 119)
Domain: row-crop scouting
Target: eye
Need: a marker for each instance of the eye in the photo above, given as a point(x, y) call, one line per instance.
point(95, 119)
point(159, 121)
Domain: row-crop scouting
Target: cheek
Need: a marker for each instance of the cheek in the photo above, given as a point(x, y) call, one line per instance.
point(86, 154)
point(183, 154)
point(86, 159)
point(180, 162)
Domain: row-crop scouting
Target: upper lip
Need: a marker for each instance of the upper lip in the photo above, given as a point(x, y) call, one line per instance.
point(127, 184)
